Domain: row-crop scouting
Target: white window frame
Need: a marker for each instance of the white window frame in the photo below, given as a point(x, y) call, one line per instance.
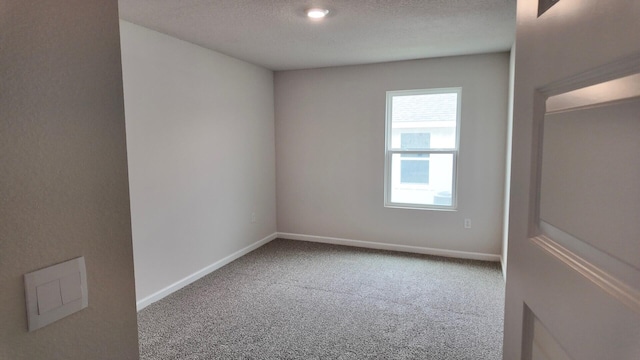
point(390, 151)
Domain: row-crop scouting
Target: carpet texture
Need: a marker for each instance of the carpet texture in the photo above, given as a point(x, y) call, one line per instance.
point(301, 300)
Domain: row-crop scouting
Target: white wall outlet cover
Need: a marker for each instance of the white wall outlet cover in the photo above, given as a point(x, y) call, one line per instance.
point(55, 292)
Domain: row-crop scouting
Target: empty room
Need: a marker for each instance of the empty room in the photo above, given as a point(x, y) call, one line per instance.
point(279, 179)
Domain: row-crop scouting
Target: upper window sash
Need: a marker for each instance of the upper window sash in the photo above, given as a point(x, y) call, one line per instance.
point(399, 120)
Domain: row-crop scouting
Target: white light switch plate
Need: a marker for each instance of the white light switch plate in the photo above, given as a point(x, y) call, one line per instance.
point(48, 296)
point(55, 292)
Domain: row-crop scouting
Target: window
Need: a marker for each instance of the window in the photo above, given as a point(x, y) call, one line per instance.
point(422, 135)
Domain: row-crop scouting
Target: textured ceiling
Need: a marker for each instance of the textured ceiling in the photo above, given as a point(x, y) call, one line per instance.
point(277, 35)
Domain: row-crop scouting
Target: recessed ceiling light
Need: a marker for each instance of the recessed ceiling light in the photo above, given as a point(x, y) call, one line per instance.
point(317, 13)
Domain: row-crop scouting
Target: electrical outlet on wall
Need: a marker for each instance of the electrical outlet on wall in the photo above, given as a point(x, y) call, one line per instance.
point(467, 223)
point(253, 217)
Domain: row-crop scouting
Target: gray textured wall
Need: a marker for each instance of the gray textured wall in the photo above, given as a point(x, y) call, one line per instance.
point(63, 175)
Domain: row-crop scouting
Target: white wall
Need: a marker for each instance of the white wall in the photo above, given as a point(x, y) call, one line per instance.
point(201, 154)
point(63, 175)
point(330, 127)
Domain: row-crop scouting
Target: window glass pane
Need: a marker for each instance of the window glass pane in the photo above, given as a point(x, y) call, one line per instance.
point(427, 183)
point(414, 171)
point(434, 115)
point(415, 141)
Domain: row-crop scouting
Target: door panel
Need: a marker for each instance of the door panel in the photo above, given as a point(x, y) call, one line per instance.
point(573, 275)
point(590, 165)
point(544, 346)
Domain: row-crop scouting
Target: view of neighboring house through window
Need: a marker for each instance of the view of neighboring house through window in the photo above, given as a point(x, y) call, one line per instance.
point(414, 168)
point(422, 148)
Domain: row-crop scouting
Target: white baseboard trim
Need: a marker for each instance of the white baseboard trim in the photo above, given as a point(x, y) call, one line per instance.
point(201, 273)
point(392, 247)
point(503, 265)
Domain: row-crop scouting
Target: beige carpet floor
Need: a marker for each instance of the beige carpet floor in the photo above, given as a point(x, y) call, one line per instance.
point(301, 300)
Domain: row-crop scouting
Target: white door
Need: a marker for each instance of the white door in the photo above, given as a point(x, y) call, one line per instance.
point(573, 275)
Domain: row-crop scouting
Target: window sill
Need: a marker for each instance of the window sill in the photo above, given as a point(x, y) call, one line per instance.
point(416, 207)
